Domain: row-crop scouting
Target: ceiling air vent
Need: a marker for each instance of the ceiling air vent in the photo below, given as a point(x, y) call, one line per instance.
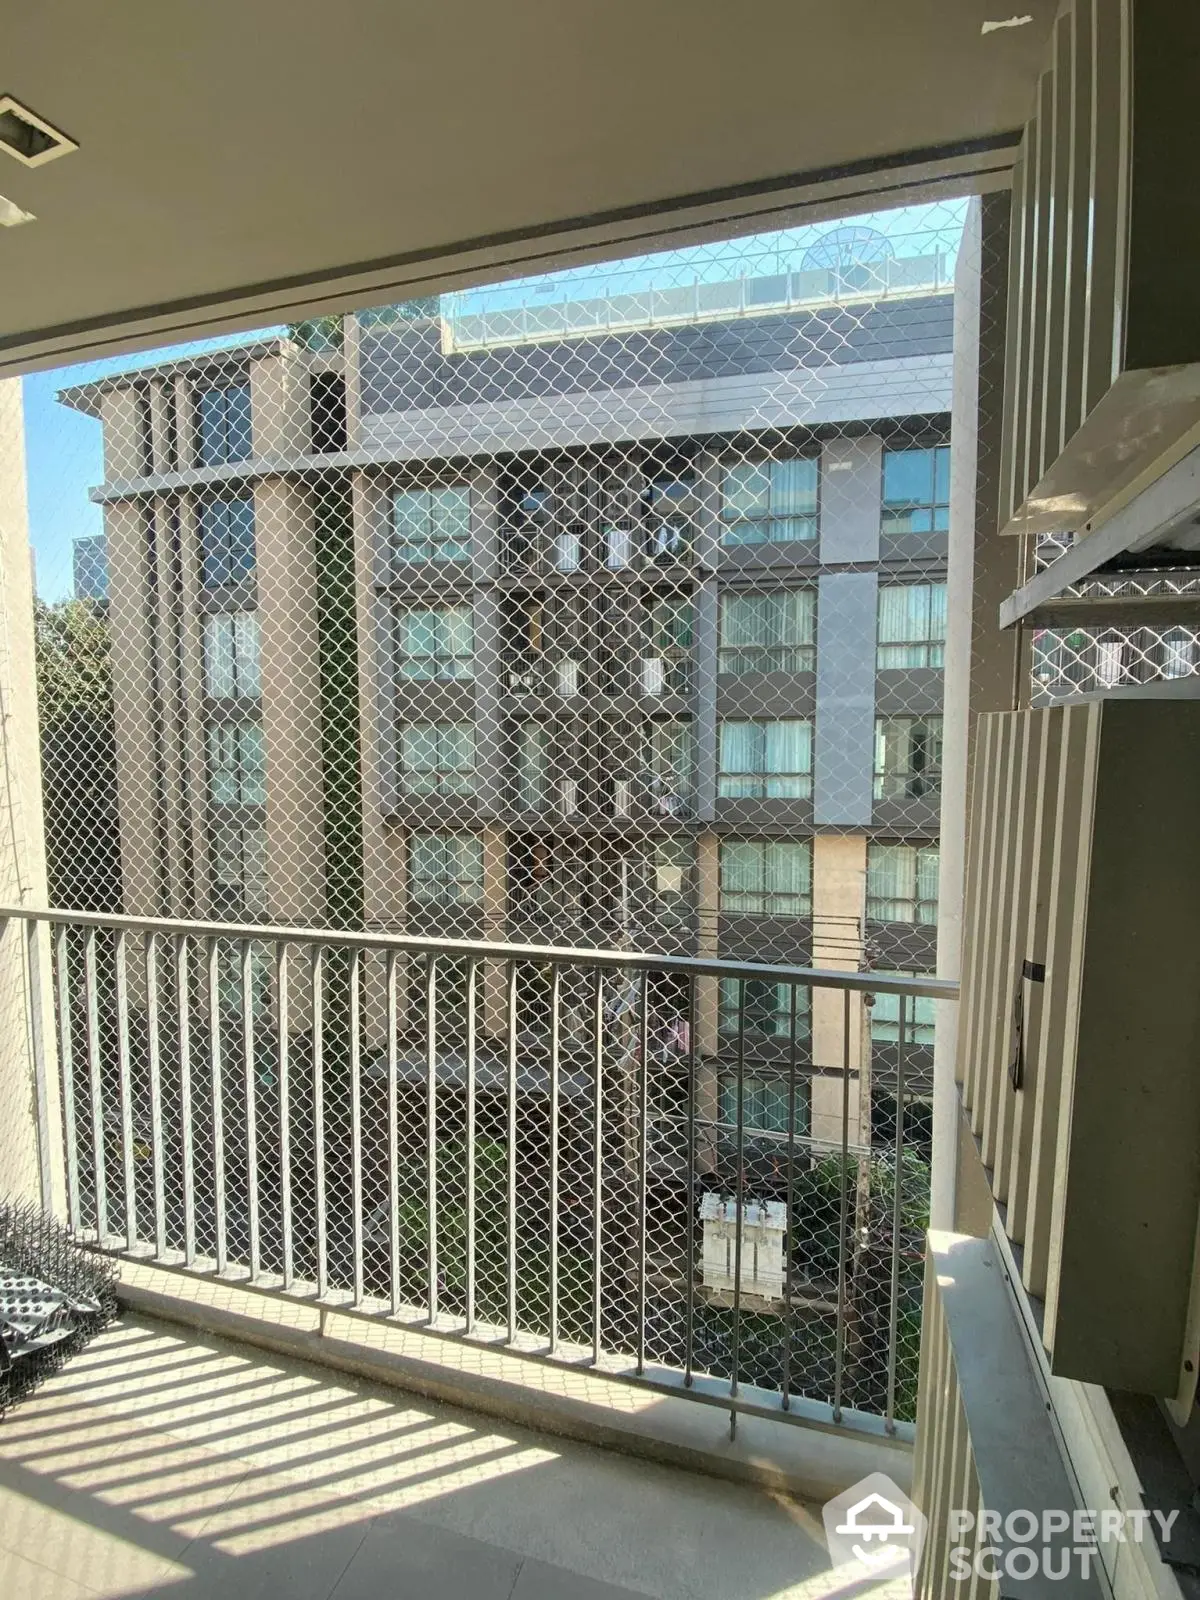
point(25, 135)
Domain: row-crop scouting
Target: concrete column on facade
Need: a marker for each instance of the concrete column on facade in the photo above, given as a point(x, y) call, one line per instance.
point(383, 879)
point(708, 996)
point(124, 441)
point(174, 819)
point(495, 901)
point(131, 613)
point(192, 690)
point(30, 1145)
point(185, 424)
point(844, 732)
point(839, 889)
point(279, 405)
point(704, 670)
point(851, 487)
point(983, 665)
point(161, 400)
point(351, 342)
point(291, 703)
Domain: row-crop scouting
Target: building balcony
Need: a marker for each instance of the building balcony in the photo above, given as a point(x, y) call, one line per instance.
point(486, 1171)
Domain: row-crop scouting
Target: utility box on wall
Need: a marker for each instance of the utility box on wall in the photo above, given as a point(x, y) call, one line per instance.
point(1079, 1043)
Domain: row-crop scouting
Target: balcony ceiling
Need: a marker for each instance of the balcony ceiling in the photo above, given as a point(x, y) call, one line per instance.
point(241, 163)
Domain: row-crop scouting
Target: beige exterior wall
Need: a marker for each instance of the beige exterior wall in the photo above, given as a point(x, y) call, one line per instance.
point(123, 444)
point(291, 703)
point(22, 850)
point(839, 888)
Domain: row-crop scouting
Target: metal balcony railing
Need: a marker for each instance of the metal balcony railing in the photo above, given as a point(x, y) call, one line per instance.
point(567, 1153)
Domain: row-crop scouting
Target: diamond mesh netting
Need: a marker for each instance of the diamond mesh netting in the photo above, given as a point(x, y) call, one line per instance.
point(605, 608)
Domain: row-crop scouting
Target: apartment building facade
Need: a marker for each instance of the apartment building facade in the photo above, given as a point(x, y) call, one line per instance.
point(427, 624)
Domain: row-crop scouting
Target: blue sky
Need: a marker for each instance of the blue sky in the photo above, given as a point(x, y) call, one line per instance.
point(63, 447)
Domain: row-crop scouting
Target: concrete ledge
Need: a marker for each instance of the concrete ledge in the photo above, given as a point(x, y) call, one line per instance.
point(809, 1463)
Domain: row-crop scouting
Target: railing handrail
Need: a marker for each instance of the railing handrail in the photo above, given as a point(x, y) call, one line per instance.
point(490, 950)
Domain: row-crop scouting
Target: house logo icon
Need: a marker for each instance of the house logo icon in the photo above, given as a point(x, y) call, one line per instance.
point(874, 1525)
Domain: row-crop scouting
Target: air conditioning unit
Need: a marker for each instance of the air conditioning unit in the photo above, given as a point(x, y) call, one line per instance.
point(760, 1273)
point(566, 679)
point(653, 675)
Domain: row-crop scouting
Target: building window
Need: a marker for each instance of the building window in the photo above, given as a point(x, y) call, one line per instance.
point(669, 538)
point(431, 524)
point(445, 869)
point(230, 995)
point(764, 1103)
point(224, 417)
point(668, 770)
point(667, 670)
point(438, 758)
point(672, 876)
point(918, 1016)
point(327, 412)
point(758, 1007)
point(231, 656)
point(912, 626)
point(902, 883)
point(766, 877)
point(916, 491)
point(237, 765)
point(765, 760)
point(769, 502)
point(437, 643)
point(908, 757)
point(227, 541)
point(240, 870)
point(533, 745)
point(770, 632)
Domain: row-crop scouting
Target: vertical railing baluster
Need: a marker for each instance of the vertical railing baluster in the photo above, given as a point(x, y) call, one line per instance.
point(392, 1023)
point(218, 1101)
point(689, 1246)
point(283, 1026)
point(37, 1041)
point(246, 955)
point(150, 959)
point(739, 1203)
point(839, 1346)
point(597, 1157)
point(555, 1049)
point(643, 1114)
point(356, 1169)
point(318, 1025)
point(897, 1217)
point(66, 1055)
point(511, 1275)
point(183, 1004)
point(97, 1084)
point(472, 974)
point(431, 1036)
point(121, 993)
point(788, 1234)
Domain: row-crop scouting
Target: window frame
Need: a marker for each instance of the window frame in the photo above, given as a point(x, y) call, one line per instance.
point(768, 520)
point(442, 735)
point(916, 900)
point(439, 900)
point(434, 545)
point(800, 906)
point(756, 783)
point(776, 657)
point(245, 775)
point(436, 657)
point(910, 776)
point(233, 443)
point(933, 506)
point(924, 652)
point(245, 665)
point(220, 567)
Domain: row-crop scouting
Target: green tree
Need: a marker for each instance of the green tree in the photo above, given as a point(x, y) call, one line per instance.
point(79, 754)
